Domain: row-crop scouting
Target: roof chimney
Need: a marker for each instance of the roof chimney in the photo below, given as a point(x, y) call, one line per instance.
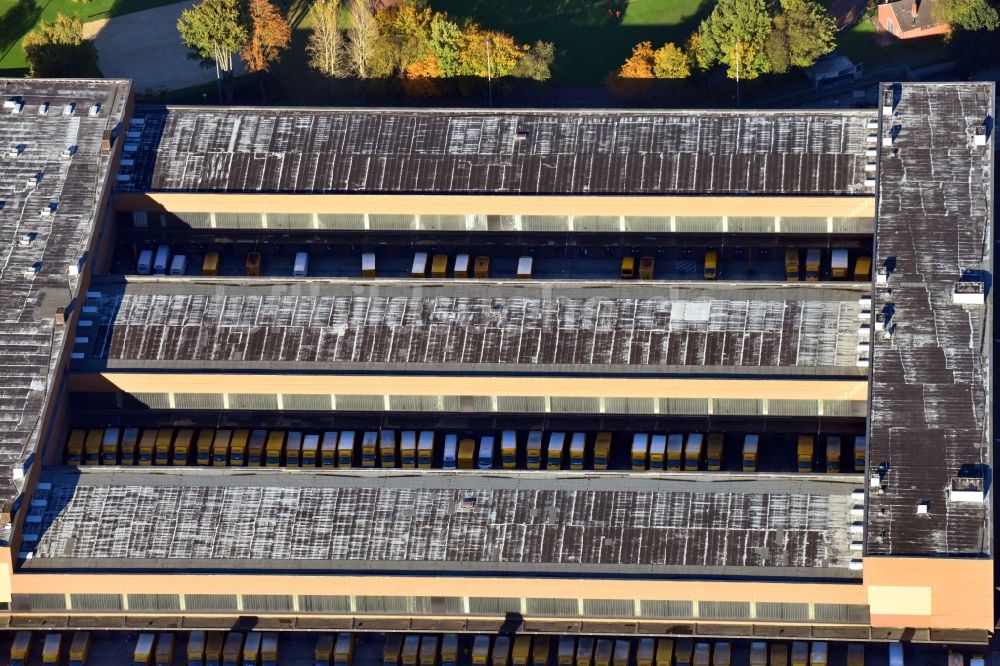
point(914, 8)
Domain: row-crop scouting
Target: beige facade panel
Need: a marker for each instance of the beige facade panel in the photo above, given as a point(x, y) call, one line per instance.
point(435, 204)
point(472, 385)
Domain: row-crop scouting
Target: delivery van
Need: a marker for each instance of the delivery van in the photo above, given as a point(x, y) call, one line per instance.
point(856, 655)
point(162, 260)
point(343, 649)
point(481, 267)
point(20, 649)
point(487, 452)
point(556, 451)
point(838, 263)
point(577, 451)
point(449, 455)
point(195, 649)
point(525, 267)
point(301, 266)
point(368, 265)
point(232, 649)
point(751, 443)
point(508, 449)
point(425, 449)
point(257, 444)
point(345, 449)
point(818, 655)
point(800, 653)
point(251, 650)
point(640, 451)
point(214, 645)
point(627, 270)
point(896, 654)
point(657, 452)
point(711, 265)
point(534, 450)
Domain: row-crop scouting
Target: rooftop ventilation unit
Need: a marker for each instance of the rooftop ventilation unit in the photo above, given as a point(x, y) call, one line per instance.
point(969, 293)
point(871, 152)
point(27, 238)
point(521, 136)
point(69, 109)
point(923, 508)
point(872, 138)
point(49, 210)
point(855, 565)
point(68, 153)
point(43, 109)
point(888, 101)
point(872, 124)
point(17, 109)
point(979, 139)
point(863, 362)
point(15, 151)
point(869, 182)
point(967, 489)
point(871, 166)
point(95, 110)
point(11, 102)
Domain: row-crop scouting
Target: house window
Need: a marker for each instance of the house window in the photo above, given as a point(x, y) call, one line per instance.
point(889, 25)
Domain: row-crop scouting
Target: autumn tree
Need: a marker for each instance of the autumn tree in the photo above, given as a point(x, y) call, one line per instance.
point(362, 41)
point(669, 62)
point(268, 36)
point(214, 30)
point(640, 64)
point(326, 44)
point(734, 35)
point(407, 28)
point(58, 49)
point(536, 62)
point(809, 31)
point(487, 53)
point(968, 15)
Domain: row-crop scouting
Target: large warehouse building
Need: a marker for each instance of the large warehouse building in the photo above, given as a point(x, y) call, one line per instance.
point(302, 306)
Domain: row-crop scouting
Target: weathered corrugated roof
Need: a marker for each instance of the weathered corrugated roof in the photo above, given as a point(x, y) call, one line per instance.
point(492, 151)
point(36, 175)
point(930, 385)
point(542, 523)
point(514, 327)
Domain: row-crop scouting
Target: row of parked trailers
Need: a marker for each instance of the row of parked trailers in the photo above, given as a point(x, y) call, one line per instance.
point(411, 449)
point(53, 646)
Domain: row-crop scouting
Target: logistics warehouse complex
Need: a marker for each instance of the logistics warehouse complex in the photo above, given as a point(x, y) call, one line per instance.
point(174, 278)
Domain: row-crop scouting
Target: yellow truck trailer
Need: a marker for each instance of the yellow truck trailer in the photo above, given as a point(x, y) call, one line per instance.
point(109, 446)
point(541, 650)
point(714, 452)
point(310, 450)
point(467, 453)
point(758, 653)
point(779, 655)
point(20, 649)
point(603, 652)
point(501, 651)
point(343, 651)
point(657, 453)
point(165, 649)
point(74, 447)
point(860, 444)
point(480, 650)
point(147, 447)
point(52, 648)
point(145, 648)
point(232, 649)
point(269, 649)
point(702, 655)
point(369, 448)
point(449, 650)
point(508, 449)
point(682, 651)
point(293, 449)
point(258, 443)
point(533, 448)
point(203, 451)
point(711, 265)
point(602, 450)
point(804, 450)
point(408, 449)
point(323, 652)
point(862, 269)
point(210, 265)
point(664, 651)
point(130, 442)
point(566, 653)
point(345, 449)
point(577, 451)
point(556, 451)
point(522, 650)
point(220, 447)
point(640, 451)
point(647, 268)
point(164, 446)
point(274, 452)
point(791, 265)
point(813, 260)
point(623, 652)
point(429, 650)
point(183, 446)
point(79, 648)
point(833, 448)
point(675, 452)
point(645, 655)
point(693, 451)
point(585, 651)
point(328, 449)
point(627, 270)
point(92, 447)
point(411, 650)
point(391, 651)
point(439, 266)
point(751, 444)
point(239, 447)
point(425, 450)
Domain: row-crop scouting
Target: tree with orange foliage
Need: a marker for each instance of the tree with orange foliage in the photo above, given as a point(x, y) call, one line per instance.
point(269, 36)
point(421, 78)
point(640, 64)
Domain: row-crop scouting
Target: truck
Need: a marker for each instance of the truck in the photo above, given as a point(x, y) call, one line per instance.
point(147, 447)
point(210, 265)
point(178, 265)
point(391, 650)
point(79, 648)
point(300, 268)
point(487, 452)
point(533, 458)
point(429, 655)
point(408, 449)
point(52, 648)
point(449, 455)
point(182, 446)
point(577, 451)
point(751, 444)
point(693, 451)
point(805, 453)
point(345, 449)
point(162, 260)
point(838, 263)
point(604, 652)
point(369, 448)
point(800, 653)
point(164, 446)
point(195, 650)
point(541, 650)
point(779, 655)
point(818, 655)
point(239, 447)
point(368, 265)
point(702, 655)
point(896, 657)
point(269, 649)
point(220, 447)
point(274, 450)
point(722, 654)
point(602, 450)
point(461, 269)
point(214, 643)
point(508, 449)
point(522, 650)
point(144, 266)
point(109, 446)
point(128, 446)
point(623, 652)
point(74, 447)
point(323, 652)
point(387, 447)
point(418, 269)
point(258, 444)
point(791, 265)
point(556, 451)
point(862, 269)
point(328, 449)
point(293, 450)
point(647, 268)
point(585, 651)
point(714, 456)
point(640, 451)
point(646, 654)
point(165, 649)
point(467, 453)
point(566, 651)
point(145, 647)
point(675, 451)
point(203, 453)
point(860, 444)
point(855, 655)
point(501, 651)
point(251, 650)
point(812, 265)
point(343, 650)
point(664, 651)
point(439, 266)
point(525, 268)
point(480, 650)
point(92, 447)
point(449, 650)
point(657, 453)
point(627, 270)
point(682, 651)
point(232, 649)
point(425, 449)
point(711, 265)
point(310, 450)
point(481, 267)
point(758, 653)
point(252, 266)
point(20, 649)
point(832, 454)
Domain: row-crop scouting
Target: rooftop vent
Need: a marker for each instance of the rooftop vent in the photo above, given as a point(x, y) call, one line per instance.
point(969, 293)
point(68, 153)
point(50, 209)
point(871, 152)
point(888, 101)
point(923, 508)
point(43, 109)
point(863, 361)
point(967, 489)
point(979, 139)
point(15, 150)
point(69, 109)
point(95, 110)
point(11, 102)
point(871, 166)
point(872, 138)
point(869, 182)
point(855, 565)
point(26, 238)
point(16, 109)
point(872, 124)
point(521, 136)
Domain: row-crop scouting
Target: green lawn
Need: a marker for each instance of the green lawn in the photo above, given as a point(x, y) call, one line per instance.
point(591, 43)
point(858, 44)
point(18, 17)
